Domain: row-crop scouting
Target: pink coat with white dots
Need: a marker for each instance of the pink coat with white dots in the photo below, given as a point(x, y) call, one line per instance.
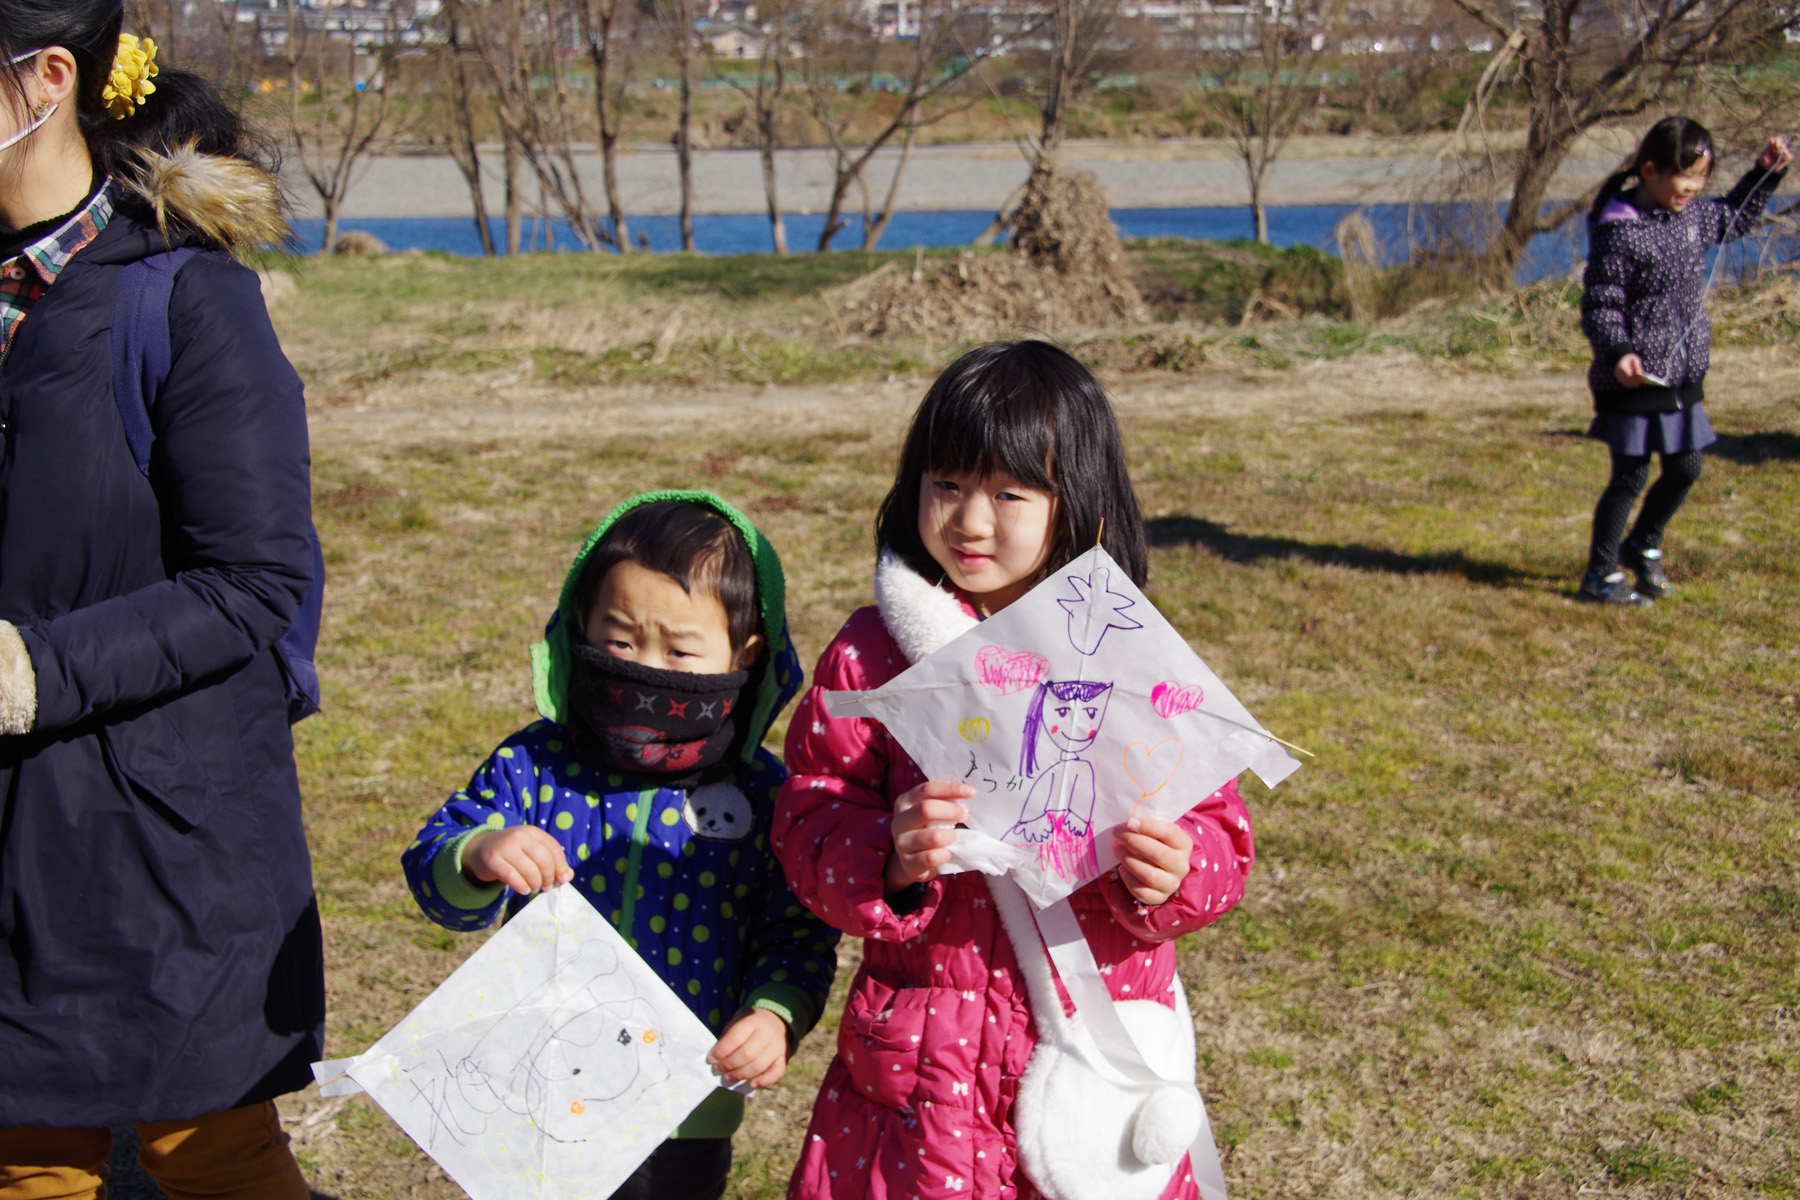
point(937, 1030)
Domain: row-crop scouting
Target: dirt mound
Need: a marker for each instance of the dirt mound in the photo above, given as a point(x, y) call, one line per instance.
point(359, 243)
point(1062, 271)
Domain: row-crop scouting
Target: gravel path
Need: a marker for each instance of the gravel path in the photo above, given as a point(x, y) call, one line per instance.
point(969, 176)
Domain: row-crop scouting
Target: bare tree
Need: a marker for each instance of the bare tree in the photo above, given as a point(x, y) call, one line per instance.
point(1257, 76)
point(765, 95)
point(928, 66)
point(220, 39)
point(341, 88)
point(520, 44)
point(160, 20)
point(608, 40)
point(1078, 29)
point(1585, 62)
point(464, 147)
point(678, 18)
point(1073, 33)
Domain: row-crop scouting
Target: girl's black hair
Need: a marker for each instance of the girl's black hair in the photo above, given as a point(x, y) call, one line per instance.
point(1031, 410)
point(694, 546)
point(1673, 145)
point(185, 108)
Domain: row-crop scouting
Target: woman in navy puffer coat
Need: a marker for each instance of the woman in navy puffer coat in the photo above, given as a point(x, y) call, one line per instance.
point(160, 959)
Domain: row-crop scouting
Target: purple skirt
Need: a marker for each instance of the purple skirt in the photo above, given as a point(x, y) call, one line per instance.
point(1637, 434)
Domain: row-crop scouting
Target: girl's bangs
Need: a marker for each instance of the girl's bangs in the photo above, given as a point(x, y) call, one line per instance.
point(1696, 147)
point(993, 434)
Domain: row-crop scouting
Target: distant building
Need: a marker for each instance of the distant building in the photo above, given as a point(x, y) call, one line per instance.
point(368, 24)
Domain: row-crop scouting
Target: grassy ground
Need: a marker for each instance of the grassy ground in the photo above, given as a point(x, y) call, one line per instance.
point(1525, 928)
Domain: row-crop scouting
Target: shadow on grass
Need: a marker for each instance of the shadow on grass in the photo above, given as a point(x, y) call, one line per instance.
point(1252, 548)
point(1750, 449)
point(1754, 448)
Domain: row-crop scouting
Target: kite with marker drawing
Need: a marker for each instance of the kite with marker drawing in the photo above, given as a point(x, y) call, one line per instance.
point(1070, 711)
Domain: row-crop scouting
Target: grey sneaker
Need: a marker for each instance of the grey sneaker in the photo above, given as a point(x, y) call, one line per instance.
point(1646, 563)
point(1610, 589)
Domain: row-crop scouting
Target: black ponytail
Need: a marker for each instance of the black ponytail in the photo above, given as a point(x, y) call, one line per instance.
point(1673, 145)
point(185, 109)
point(1615, 183)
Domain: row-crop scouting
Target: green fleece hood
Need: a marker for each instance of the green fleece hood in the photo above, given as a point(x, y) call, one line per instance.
point(775, 678)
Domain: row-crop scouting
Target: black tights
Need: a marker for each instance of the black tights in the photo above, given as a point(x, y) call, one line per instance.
point(1629, 472)
point(681, 1169)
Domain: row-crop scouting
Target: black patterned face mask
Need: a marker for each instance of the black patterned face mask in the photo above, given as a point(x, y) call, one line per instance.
point(648, 721)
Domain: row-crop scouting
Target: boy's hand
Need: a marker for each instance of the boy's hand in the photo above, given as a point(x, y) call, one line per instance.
point(523, 857)
point(753, 1047)
point(923, 831)
point(1776, 155)
point(1153, 858)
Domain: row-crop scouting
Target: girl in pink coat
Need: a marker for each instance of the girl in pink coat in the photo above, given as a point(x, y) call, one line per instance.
point(1009, 468)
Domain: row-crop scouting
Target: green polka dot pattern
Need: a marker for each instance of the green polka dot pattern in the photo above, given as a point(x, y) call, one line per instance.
point(711, 914)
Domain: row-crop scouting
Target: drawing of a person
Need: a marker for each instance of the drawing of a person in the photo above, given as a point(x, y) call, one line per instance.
point(1060, 806)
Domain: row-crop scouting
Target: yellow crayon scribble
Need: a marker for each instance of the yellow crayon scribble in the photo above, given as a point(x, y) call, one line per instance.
point(974, 730)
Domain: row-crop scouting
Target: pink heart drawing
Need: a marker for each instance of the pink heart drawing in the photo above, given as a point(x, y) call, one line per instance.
point(1151, 767)
point(1004, 672)
point(1171, 699)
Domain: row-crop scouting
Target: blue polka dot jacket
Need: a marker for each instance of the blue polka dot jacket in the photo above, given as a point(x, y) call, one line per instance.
point(1644, 290)
point(687, 876)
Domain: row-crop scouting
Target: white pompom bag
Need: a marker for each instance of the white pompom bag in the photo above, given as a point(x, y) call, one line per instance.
point(1108, 1108)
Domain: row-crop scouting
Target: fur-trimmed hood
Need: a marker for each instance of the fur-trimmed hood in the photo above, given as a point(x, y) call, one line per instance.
point(920, 616)
point(227, 202)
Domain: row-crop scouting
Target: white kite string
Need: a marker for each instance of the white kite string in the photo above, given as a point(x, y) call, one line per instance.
point(1681, 341)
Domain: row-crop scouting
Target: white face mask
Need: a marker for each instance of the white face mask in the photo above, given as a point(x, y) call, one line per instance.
point(32, 128)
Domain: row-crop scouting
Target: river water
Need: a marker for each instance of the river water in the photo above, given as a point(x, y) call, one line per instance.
point(1553, 254)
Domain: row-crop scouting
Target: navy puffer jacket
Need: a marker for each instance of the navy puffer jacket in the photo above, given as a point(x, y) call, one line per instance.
point(159, 941)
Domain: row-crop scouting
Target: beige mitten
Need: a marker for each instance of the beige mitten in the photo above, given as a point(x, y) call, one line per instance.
point(18, 683)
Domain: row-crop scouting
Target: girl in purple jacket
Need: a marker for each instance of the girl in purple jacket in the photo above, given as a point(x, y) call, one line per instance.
point(1644, 310)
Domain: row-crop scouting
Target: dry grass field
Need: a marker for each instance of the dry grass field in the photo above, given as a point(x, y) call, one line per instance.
point(1526, 927)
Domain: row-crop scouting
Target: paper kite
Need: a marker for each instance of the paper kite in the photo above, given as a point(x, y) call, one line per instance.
point(549, 1065)
point(1075, 707)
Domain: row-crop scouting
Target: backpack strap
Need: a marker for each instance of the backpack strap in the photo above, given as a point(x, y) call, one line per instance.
point(140, 344)
point(142, 357)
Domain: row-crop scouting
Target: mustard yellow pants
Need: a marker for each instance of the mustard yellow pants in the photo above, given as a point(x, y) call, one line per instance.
point(241, 1154)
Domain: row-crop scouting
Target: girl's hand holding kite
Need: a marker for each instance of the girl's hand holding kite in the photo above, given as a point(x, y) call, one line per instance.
point(1153, 859)
point(1776, 155)
point(923, 822)
point(524, 858)
point(754, 1049)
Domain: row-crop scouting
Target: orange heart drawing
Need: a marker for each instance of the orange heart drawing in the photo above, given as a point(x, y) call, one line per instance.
point(1151, 767)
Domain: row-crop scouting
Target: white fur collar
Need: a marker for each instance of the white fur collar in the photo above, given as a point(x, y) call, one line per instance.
point(921, 617)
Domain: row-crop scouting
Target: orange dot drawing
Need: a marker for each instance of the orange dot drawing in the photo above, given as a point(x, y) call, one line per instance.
point(649, 1035)
point(578, 1108)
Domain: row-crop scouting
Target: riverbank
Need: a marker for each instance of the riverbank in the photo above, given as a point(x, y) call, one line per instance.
point(1197, 172)
point(1543, 860)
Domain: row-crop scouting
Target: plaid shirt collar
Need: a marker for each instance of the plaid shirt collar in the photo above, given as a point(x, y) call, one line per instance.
point(28, 274)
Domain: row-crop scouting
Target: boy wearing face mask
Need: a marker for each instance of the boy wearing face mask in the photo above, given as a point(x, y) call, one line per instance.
point(646, 787)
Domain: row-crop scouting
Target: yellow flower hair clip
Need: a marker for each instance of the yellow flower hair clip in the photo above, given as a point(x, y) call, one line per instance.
point(128, 84)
